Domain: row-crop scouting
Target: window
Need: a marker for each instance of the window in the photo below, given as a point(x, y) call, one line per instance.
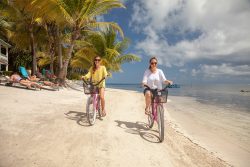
point(3, 50)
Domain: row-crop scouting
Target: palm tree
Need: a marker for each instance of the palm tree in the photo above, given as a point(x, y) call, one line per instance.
point(25, 17)
point(106, 45)
point(80, 15)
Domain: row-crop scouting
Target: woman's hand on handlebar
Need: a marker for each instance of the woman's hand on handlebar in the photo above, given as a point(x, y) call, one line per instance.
point(168, 82)
point(143, 85)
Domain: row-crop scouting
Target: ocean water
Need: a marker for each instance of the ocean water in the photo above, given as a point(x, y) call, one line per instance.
point(225, 95)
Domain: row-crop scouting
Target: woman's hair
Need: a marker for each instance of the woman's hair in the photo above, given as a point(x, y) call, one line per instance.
point(94, 65)
point(152, 58)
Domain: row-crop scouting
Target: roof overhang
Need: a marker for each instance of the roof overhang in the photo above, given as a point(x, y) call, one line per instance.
point(5, 43)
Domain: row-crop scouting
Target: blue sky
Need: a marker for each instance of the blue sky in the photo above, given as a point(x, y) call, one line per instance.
point(195, 41)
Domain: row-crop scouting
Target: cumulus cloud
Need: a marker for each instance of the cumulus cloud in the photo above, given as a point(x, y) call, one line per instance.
point(222, 70)
point(183, 70)
point(207, 30)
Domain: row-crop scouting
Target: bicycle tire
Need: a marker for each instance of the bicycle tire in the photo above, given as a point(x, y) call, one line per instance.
point(91, 111)
point(150, 118)
point(99, 108)
point(160, 121)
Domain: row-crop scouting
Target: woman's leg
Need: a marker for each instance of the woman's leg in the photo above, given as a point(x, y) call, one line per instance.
point(36, 85)
point(48, 83)
point(147, 101)
point(25, 83)
point(101, 92)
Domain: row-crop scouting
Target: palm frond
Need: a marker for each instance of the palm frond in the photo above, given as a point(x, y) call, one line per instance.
point(128, 58)
point(106, 25)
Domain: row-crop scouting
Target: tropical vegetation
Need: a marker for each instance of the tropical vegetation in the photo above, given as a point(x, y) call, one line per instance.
point(63, 34)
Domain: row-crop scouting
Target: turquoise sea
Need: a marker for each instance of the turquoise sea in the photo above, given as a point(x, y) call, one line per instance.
point(224, 95)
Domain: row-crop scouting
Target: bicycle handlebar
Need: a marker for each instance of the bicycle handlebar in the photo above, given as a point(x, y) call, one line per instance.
point(91, 83)
point(167, 86)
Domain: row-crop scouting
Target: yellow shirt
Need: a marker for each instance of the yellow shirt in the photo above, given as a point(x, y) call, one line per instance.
point(100, 73)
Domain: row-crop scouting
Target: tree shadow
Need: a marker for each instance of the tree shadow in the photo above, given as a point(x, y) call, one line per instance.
point(141, 129)
point(79, 117)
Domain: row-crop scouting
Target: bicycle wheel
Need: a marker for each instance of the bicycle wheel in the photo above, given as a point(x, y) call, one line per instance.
point(91, 111)
point(150, 118)
point(99, 108)
point(160, 121)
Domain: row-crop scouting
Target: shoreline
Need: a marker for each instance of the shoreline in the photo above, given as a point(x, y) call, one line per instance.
point(234, 156)
point(57, 119)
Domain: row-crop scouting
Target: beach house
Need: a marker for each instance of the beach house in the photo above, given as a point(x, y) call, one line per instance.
point(4, 47)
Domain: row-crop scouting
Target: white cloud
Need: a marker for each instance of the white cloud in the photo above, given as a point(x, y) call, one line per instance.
point(183, 70)
point(222, 70)
point(223, 27)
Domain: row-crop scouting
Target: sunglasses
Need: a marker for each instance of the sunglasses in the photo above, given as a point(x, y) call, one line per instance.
point(153, 63)
point(97, 60)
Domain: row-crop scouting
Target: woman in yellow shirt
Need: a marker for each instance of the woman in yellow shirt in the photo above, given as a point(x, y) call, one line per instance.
point(96, 73)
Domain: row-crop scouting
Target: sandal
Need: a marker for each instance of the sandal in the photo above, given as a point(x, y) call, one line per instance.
point(147, 112)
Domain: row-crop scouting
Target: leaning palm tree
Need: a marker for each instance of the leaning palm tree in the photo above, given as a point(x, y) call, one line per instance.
point(80, 15)
point(106, 45)
point(24, 17)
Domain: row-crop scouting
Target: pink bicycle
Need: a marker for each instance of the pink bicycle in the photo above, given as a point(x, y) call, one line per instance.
point(157, 110)
point(93, 105)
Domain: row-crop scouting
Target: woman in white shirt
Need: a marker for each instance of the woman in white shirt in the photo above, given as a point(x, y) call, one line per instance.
point(154, 78)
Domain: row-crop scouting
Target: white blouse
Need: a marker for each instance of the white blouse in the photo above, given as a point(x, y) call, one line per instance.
point(154, 80)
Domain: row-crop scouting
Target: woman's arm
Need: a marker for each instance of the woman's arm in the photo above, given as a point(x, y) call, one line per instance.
point(168, 82)
point(145, 78)
point(105, 73)
point(88, 75)
point(164, 78)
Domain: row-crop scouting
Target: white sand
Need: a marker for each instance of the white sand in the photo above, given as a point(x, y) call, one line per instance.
point(223, 131)
point(49, 129)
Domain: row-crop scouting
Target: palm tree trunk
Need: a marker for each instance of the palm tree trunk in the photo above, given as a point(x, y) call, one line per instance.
point(33, 50)
point(63, 71)
point(59, 47)
point(52, 55)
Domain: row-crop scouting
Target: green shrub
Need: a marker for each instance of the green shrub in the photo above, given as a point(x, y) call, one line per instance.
point(7, 72)
point(74, 76)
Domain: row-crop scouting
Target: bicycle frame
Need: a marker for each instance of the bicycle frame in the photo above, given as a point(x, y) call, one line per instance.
point(157, 112)
point(154, 104)
point(93, 104)
point(96, 100)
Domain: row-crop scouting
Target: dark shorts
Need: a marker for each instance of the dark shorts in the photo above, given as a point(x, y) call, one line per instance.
point(145, 90)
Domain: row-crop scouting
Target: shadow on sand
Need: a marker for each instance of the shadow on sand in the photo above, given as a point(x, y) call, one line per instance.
point(139, 128)
point(79, 117)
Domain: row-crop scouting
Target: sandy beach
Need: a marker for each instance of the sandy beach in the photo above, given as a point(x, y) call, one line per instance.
point(50, 129)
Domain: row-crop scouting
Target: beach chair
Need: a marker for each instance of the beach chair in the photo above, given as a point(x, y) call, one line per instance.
point(23, 72)
point(40, 79)
point(6, 81)
point(48, 75)
point(51, 77)
point(3, 79)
